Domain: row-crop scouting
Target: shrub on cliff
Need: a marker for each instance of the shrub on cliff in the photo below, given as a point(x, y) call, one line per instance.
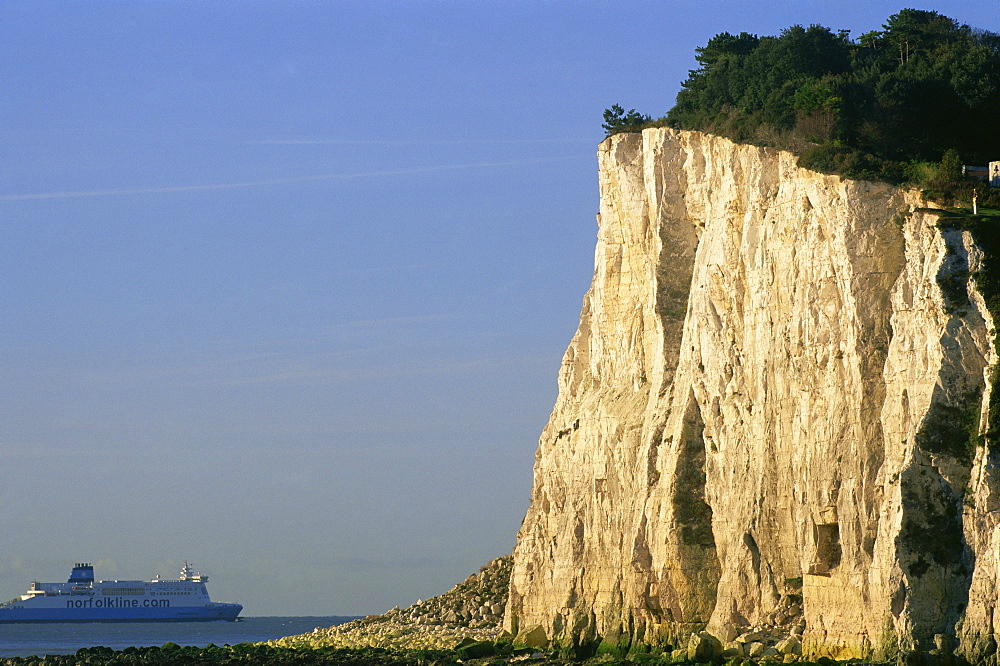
point(617, 120)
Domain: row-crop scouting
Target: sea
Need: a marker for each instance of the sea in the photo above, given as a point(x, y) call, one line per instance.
point(24, 640)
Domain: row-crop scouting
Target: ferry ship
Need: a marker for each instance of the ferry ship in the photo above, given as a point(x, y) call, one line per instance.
point(82, 599)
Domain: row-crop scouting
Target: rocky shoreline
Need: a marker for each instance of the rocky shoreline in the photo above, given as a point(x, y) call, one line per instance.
point(470, 611)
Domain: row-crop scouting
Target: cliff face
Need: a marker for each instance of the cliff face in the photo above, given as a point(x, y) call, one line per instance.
point(767, 417)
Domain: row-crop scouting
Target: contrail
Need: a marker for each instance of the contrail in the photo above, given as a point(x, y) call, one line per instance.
point(277, 181)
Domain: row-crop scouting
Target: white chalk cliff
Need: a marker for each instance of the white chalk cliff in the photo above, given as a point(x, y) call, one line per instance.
point(768, 417)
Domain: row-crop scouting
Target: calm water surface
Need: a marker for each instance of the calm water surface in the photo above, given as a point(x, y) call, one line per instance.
point(22, 640)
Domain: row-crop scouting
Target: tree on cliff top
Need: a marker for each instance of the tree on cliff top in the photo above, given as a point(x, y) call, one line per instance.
point(616, 120)
point(870, 108)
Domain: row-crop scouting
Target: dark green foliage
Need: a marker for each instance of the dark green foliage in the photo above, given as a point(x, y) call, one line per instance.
point(770, 80)
point(616, 120)
point(949, 169)
point(831, 158)
point(923, 88)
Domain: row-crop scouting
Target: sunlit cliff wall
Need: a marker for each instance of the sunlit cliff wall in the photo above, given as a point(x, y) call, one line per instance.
point(764, 417)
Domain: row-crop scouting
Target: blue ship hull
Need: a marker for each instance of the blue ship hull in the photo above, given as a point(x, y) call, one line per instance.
point(215, 612)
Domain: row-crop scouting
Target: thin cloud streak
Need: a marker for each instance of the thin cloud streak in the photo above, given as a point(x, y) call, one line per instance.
point(278, 181)
point(416, 142)
point(365, 373)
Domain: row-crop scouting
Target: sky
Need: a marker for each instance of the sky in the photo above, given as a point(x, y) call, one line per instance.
point(285, 286)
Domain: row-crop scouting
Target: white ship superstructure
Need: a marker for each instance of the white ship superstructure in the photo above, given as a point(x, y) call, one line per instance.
point(82, 599)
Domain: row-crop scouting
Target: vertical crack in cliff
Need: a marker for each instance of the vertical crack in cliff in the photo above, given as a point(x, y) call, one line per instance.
point(878, 263)
point(691, 511)
point(690, 578)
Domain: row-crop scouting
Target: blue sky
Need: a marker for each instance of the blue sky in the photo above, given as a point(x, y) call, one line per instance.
point(284, 287)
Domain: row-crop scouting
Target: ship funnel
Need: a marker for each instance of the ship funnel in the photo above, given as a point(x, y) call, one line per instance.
point(83, 574)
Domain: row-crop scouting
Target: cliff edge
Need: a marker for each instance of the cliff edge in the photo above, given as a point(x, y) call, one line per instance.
point(769, 419)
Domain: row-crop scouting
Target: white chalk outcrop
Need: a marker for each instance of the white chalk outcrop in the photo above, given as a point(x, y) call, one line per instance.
point(764, 419)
